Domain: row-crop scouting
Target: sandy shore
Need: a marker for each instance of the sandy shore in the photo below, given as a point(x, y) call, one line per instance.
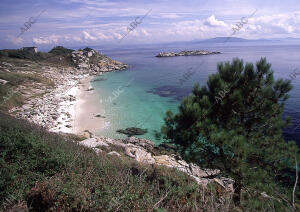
point(65, 105)
point(87, 106)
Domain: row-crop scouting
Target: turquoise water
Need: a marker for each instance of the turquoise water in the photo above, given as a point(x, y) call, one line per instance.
point(132, 106)
point(140, 96)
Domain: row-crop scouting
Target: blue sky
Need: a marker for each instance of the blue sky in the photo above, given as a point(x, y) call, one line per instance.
point(104, 22)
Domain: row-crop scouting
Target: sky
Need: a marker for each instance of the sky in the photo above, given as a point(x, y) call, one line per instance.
point(126, 22)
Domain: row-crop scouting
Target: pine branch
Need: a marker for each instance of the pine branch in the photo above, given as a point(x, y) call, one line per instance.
point(295, 182)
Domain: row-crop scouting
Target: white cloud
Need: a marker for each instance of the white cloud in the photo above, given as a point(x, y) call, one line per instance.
point(172, 26)
point(278, 23)
point(117, 35)
point(213, 22)
point(144, 32)
point(76, 38)
point(166, 15)
point(52, 39)
point(88, 36)
point(102, 36)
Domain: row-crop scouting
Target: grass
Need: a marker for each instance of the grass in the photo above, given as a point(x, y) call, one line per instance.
point(44, 172)
point(8, 96)
point(16, 78)
point(58, 56)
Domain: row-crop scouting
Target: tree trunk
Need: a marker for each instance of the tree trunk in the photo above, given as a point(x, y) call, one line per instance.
point(237, 193)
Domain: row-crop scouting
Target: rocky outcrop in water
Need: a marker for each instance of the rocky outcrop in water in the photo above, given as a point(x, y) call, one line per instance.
point(186, 53)
point(132, 131)
point(95, 62)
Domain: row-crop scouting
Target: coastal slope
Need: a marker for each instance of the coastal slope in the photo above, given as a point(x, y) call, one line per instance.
point(46, 85)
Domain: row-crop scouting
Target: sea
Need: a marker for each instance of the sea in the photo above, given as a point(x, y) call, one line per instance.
point(141, 95)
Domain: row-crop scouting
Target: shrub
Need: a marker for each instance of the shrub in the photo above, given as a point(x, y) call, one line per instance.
point(87, 49)
point(21, 54)
point(3, 53)
point(60, 50)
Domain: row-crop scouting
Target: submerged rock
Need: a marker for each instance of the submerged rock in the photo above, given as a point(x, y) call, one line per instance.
point(90, 88)
point(99, 79)
point(170, 91)
point(99, 116)
point(133, 131)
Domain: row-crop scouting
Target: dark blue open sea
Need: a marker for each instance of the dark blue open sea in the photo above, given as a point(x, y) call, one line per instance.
point(140, 96)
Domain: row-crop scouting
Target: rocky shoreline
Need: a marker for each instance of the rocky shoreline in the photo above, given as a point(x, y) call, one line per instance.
point(54, 108)
point(146, 152)
point(186, 53)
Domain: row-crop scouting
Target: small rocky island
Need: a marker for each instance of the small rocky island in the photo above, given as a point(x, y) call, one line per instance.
point(186, 53)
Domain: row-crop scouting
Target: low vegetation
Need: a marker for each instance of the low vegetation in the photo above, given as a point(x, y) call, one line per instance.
point(60, 50)
point(22, 68)
point(49, 172)
point(58, 56)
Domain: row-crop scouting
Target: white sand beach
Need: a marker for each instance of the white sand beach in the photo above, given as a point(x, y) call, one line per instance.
point(86, 108)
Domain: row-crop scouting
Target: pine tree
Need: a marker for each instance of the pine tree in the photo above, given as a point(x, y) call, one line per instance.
point(235, 124)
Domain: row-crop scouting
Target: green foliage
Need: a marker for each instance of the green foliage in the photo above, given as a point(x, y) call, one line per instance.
point(60, 50)
point(16, 78)
point(25, 157)
point(87, 49)
point(235, 124)
point(3, 53)
point(20, 54)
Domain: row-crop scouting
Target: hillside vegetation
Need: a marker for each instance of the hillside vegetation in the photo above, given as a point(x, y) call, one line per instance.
point(49, 172)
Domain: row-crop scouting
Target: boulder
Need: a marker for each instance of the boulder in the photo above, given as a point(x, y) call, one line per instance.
point(93, 142)
point(203, 173)
point(139, 154)
point(114, 153)
point(87, 134)
point(144, 143)
point(3, 82)
point(166, 160)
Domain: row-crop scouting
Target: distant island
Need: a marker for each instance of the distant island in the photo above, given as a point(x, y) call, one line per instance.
point(186, 53)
